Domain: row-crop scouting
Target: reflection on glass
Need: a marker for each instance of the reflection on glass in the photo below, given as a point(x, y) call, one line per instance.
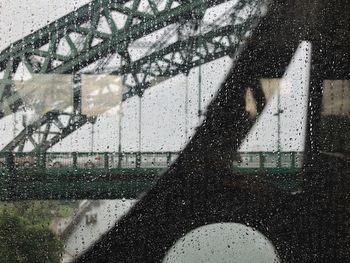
point(100, 93)
point(335, 117)
point(46, 92)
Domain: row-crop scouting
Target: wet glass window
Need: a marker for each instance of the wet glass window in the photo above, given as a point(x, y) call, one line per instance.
point(174, 131)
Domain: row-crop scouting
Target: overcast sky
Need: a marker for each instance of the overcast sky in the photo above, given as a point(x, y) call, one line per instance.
point(163, 106)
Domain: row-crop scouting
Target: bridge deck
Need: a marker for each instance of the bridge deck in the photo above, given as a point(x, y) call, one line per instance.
point(114, 175)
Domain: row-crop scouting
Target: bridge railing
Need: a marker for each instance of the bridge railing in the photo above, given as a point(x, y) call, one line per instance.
point(269, 161)
point(246, 161)
point(82, 160)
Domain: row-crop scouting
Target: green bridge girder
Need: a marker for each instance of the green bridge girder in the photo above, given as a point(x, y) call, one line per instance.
point(40, 53)
point(127, 175)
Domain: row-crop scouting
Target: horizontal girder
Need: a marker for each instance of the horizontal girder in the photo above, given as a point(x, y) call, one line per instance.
point(126, 174)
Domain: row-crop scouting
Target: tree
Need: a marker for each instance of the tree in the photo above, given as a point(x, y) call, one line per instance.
point(23, 240)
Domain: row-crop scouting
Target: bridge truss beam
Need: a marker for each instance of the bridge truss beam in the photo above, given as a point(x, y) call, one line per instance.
point(86, 43)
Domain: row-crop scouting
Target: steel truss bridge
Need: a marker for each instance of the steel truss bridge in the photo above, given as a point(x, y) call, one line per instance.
point(92, 40)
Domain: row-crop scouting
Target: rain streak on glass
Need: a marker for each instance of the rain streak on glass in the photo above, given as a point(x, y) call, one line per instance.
point(174, 131)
